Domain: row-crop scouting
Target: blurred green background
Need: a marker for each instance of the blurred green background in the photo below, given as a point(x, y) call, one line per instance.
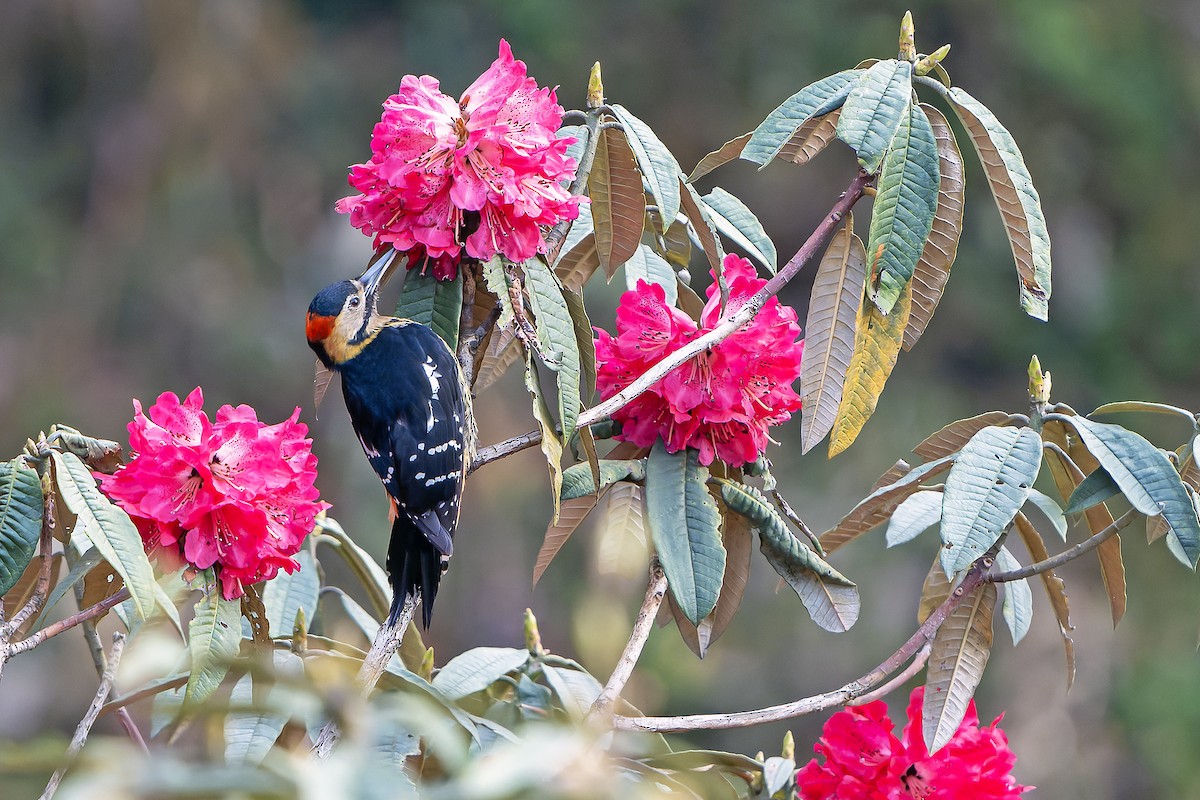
point(167, 179)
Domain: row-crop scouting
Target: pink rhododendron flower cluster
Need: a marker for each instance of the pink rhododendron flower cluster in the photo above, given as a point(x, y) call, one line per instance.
point(233, 493)
point(481, 173)
point(865, 761)
point(721, 401)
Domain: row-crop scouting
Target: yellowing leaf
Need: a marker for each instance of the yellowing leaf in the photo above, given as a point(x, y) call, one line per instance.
point(618, 200)
point(933, 268)
point(876, 345)
point(958, 655)
point(829, 333)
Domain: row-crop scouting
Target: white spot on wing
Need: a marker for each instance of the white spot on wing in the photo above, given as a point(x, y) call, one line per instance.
point(435, 377)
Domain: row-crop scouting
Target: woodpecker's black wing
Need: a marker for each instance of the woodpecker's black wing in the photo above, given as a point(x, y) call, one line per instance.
point(407, 406)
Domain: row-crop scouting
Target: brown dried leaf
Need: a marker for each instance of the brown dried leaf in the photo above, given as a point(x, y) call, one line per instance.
point(618, 200)
point(951, 438)
point(688, 631)
point(502, 351)
point(571, 514)
point(877, 506)
point(934, 591)
point(811, 138)
point(692, 207)
point(933, 269)
point(689, 301)
point(1056, 590)
point(957, 658)
point(719, 157)
point(894, 473)
point(738, 538)
point(16, 597)
point(256, 614)
point(829, 332)
point(100, 583)
point(576, 267)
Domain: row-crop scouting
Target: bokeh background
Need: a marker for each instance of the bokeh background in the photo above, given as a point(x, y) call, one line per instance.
point(167, 180)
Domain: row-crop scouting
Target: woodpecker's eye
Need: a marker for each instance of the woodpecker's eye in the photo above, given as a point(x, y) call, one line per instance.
point(355, 302)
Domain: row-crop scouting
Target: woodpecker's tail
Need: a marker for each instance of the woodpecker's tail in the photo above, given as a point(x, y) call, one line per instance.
point(414, 565)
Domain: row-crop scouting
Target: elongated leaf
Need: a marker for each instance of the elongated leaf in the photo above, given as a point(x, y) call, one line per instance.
point(431, 302)
point(1153, 408)
point(933, 267)
point(577, 265)
point(477, 669)
point(551, 444)
point(875, 109)
point(571, 514)
point(1051, 511)
point(1018, 598)
point(1012, 188)
point(576, 690)
point(957, 658)
point(502, 351)
point(879, 504)
point(685, 528)
point(739, 546)
point(877, 341)
point(894, 473)
point(904, 210)
point(829, 333)
point(727, 152)
point(737, 223)
point(249, 736)
point(1095, 489)
point(935, 590)
point(618, 200)
point(577, 480)
point(951, 438)
point(584, 341)
point(647, 265)
point(83, 565)
point(1056, 590)
point(697, 214)
point(918, 513)
point(582, 229)
point(287, 594)
point(108, 528)
point(20, 520)
point(213, 638)
point(986, 487)
point(818, 98)
point(813, 136)
point(556, 332)
point(622, 547)
point(1146, 477)
point(363, 564)
point(657, 165)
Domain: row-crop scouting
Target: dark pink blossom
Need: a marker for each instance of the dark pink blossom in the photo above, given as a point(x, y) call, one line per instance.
point(865, 761)
point(235, 494)
point(720, 402)
point(482, 174)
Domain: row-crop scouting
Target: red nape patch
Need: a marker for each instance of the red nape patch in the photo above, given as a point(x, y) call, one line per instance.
point(318, 327)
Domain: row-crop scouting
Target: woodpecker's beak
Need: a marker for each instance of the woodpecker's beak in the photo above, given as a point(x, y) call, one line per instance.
point(378, 273)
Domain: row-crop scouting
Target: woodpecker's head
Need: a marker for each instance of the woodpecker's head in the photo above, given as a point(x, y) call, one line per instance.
point(342, 318)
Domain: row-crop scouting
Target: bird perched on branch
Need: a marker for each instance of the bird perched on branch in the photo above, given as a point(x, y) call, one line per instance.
point(407, 402)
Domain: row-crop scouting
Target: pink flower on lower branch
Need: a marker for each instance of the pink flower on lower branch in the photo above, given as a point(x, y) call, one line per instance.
point(865, 761)
point(482, 174)
point(235, 494)
point(720, 402)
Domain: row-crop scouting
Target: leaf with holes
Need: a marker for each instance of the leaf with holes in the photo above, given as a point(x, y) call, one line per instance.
point(738, 224)
point(658, 166)
point(877, 341)
point(1018, 201)
point(818, 98)
point(875, 109)
point(730, 151)
point(618, 200)
point(904, 210)
point(933, 267)
point(957, 658)
point(556, 333)
point(213, 639)
point(685, 527)
point(1018, 598)
point(952, 437)
point(647, 265)
point(918, 513)
point(20, 520)
point(829, 333)
point(987, 485)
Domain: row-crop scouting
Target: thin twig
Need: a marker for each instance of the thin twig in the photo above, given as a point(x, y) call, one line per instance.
point(91, 612)
point(92, 637)
point(786, 509)
point(976, 575)
point(89, 719)
point(807, 252)
point(1056, 561)
point(382, 649)
point(901, 678)
point(655, 592)
point(505, 448)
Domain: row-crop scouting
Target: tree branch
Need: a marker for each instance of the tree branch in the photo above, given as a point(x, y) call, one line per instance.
point(1087, 545)
point(655, 593)
point(914, 666)
point(975, 576)
point(91, 612)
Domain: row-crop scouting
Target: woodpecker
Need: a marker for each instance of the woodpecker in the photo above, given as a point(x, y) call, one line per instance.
point(404, 390)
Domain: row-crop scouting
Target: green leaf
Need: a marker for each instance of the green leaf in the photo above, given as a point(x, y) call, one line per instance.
point(875, 109)
point(813, 100)
point(577, 480)
point(214, 636)
point(551, 445)
point(20, 520)
point(431, 302)
point(497, 284)
point(904, 210)
point(584, 341)
point(1154, 408)
point(658, 166)
point(1017, 199)
point(362, 564)
point(738, 223)
point(476, 670)
point(108, 528)
point(1095, 489)
point(649, 266)
point(576, 690)
point(82, 566)
point(918, 513)
point(985, 489)
point(1146, 477)
point(957, 658)
point(1051, 510)
point(1018, 598)
point(685, 527)
point(829, 332)
point(249, 736)
point(287, 594)
point(618, 200)
point(556, 333)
